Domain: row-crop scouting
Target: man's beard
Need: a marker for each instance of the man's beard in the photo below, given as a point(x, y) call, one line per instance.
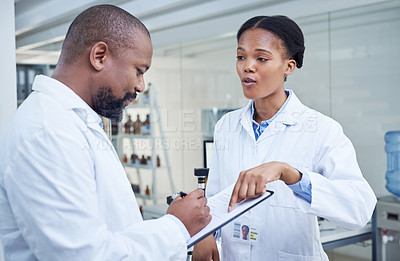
point(107, 105)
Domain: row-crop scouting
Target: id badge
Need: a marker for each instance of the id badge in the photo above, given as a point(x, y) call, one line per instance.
point(244, 233)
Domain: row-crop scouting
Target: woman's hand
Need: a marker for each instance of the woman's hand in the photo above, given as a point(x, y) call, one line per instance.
point(206, 250)
point(251, 183)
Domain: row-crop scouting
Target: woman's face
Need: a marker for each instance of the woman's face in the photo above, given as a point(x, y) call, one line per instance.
point(261, 63)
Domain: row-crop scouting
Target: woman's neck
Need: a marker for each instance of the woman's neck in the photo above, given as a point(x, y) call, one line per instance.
point(265, 108)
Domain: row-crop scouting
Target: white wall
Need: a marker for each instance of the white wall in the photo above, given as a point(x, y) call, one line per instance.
point(350, 73)
point(8, 89)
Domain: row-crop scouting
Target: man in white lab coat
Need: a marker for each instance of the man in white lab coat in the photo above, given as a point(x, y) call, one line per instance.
point(64, 194)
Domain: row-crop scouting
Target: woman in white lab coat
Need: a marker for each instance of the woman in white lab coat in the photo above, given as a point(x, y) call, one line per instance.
point(277, 143)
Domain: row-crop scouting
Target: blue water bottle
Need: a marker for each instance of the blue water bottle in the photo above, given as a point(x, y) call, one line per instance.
point(392, 148)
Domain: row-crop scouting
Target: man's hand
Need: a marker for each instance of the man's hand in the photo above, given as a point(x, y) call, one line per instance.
point(206, 250)
point(191, 210)
point(251, 183)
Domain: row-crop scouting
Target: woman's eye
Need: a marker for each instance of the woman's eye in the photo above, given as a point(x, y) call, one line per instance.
point(239, 57)
point(262, 59)
point(139, 72)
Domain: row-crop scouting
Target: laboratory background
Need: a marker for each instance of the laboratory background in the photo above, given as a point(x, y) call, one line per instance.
point(350, 73)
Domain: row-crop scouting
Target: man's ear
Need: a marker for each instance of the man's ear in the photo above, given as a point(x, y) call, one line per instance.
point(98, 55)
point(291, 65)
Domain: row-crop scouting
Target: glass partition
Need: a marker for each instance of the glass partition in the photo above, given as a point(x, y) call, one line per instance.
point(349, 73)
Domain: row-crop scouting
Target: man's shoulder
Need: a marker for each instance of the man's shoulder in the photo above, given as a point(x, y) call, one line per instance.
point(40, 114)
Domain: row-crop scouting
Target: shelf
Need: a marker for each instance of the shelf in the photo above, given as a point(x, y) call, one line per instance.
point(132, 136)
point(144, 143)
point(142, 196)
point(139, 166)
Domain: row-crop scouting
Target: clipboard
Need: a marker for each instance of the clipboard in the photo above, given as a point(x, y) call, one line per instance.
point(219, 211)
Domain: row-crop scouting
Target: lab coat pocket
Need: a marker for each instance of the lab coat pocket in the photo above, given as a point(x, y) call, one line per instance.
point(292, 257)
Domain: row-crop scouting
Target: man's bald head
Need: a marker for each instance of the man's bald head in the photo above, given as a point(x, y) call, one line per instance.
point(106, 23)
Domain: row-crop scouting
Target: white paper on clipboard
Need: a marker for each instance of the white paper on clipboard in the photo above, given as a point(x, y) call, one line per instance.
point(218, 205)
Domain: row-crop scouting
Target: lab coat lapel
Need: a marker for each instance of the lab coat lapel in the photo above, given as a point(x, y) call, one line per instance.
point(284, 119)
point(274, 128)
point(71, 101)
point(246, 122)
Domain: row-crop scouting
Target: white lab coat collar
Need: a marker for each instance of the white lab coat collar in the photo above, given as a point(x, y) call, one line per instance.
point(67, 98)
point(245, 120)
point(287, 117)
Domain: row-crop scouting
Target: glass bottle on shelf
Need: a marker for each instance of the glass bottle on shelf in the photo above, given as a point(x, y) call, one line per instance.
point(133, 159)
point(137, 125)
point(125, 159)
point(158, 161)
point(148, 161)
point(146, 126)
point(135, 188)
point(129, 125)
point(114, 128)
point(147, 191)
point(143, 160)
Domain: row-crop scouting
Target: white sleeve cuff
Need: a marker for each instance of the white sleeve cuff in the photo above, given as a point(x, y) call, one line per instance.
point(181, 226)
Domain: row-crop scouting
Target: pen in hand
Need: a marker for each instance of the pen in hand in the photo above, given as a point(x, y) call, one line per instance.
point(171, 198)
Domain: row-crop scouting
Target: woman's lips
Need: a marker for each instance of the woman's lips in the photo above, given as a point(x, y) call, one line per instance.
point(248, 82)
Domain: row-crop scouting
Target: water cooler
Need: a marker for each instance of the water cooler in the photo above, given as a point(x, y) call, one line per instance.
point(387, 215)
